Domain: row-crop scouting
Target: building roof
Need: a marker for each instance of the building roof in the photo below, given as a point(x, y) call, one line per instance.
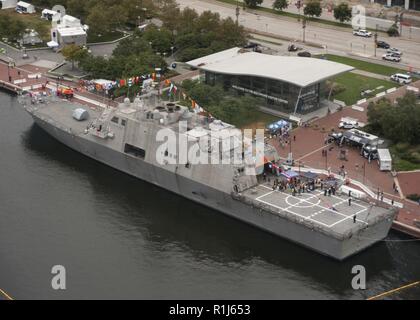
point(300, 71)
point(384, 155)
point(24, 4)
point(74, 31)
point(48, 11)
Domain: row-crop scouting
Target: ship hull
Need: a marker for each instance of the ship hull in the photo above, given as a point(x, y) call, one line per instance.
point(339, 249)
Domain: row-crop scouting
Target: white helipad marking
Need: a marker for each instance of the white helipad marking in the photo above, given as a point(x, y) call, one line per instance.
point(311, 205)
point(298, 204)
point(350, 217)
point(297, 214)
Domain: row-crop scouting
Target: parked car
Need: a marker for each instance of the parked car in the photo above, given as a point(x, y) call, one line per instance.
point(401, 78)
point(251, 45)
point(348, 125)
point(334, 137)
point(362, 33)
point(292, 48)
point(390, 57)
point(383, 45)
point(394, 51)
point(369, 152)
point(304, 54)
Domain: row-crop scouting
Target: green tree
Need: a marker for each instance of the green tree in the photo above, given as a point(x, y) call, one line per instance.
point(160, 39)
point(99, 20)
point(342, 12)
point(313, 9)
point(253, 3)
point(280, 4)
point(393, 31)
point(170, 14)
point(132, 46)
point(73, 53)
point(11, 28)
point(77, 8)
point(398, 123)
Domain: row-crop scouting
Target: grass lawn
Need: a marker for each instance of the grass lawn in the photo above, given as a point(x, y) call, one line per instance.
point(259, 120)
point(365, 66)
point(32, 21)
point(405, 157)
point(106, 37)
point(404, 165)
point(354, 84)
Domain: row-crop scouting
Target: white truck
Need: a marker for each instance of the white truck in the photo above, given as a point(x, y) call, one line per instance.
point(384, 160)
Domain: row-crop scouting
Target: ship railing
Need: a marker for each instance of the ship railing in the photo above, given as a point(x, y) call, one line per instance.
point(299, 220)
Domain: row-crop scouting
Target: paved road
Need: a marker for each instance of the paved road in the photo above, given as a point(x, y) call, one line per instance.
point(371, 22)
point(340, 40)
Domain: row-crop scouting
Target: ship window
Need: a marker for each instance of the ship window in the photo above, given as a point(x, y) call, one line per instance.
point(134, 151)
point(115, 119)
point(123, 122)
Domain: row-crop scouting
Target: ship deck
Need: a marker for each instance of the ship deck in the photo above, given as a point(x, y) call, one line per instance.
point(333, 214)
point(61, 113)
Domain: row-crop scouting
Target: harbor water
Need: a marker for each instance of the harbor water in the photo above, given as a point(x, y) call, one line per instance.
point(119, 237)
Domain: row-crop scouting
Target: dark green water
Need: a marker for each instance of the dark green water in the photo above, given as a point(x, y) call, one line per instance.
point(119, 237)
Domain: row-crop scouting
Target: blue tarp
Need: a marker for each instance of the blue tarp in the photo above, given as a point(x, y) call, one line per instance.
point(309, 175)
point(290, 174)
point(278, 125)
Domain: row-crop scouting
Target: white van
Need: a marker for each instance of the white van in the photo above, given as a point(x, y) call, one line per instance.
point(401, 78)
point(384, 160)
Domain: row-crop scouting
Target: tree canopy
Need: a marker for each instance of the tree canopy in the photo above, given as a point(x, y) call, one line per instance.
point(342, 12)
point(196, 35)
point(313, 9)
point(11, 28)
point(398, 123)
point(253, 3)
point(73, 53)
point(280, 4)
point(231, 109)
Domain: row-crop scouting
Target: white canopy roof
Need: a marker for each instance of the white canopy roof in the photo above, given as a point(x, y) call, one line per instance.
point(300, 71)
point(52, 44)
point(48, 11)
point(73, 31)
point(24, 4)
point(384, 155)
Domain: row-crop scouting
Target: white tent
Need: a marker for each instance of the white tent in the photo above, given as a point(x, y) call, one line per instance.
point(24, 7)
point(52, 44)
point(8, 4)
point(48, 14)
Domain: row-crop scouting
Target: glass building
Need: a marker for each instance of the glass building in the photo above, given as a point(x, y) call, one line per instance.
point(292, 85)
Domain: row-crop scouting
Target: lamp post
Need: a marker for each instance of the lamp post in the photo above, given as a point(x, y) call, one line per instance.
point(298, 5)
point(375, 38)
point(304, 28)
point(326, 158)
point(11, 64)
point(364, 171)
point(237, 12)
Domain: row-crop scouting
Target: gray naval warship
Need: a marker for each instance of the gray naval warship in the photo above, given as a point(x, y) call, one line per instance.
point(125, 138)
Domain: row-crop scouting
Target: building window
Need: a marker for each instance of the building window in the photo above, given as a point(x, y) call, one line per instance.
point(123, 122)
point(115, 120)
point(134, 151)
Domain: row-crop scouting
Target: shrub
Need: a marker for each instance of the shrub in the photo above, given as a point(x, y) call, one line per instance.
point(393, 31)
point(414, 197)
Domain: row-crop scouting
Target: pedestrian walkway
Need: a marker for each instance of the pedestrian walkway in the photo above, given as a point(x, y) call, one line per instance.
point(370, 74)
